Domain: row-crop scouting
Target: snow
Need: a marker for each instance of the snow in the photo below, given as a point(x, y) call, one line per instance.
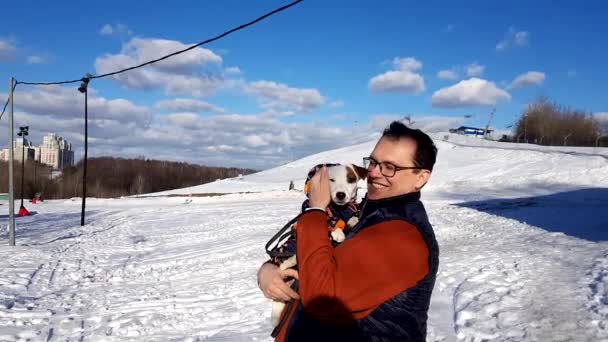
point(522, 232)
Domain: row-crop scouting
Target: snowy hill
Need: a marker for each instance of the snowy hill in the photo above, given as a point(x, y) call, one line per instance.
point(523, 236)
point(466, 166)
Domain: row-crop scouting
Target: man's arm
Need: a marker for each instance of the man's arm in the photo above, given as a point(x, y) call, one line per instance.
point(363, 272)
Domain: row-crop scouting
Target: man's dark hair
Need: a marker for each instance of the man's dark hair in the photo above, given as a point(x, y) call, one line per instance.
point(426, 151)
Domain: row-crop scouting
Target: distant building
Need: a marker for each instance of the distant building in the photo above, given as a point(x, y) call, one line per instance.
point(54, 151)
point(29, 151)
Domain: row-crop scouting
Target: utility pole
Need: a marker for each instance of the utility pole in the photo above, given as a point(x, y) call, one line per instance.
point(11, 156)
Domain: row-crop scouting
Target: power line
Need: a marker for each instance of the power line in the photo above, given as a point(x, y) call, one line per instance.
point(280, 9)
point(49, 83)
point(7, 101)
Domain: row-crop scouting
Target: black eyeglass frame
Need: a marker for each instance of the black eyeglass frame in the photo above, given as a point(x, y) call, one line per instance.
point(371, 163)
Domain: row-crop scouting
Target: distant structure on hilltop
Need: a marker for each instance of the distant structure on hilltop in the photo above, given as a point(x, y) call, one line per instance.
point(54, 151)
point(464, 130)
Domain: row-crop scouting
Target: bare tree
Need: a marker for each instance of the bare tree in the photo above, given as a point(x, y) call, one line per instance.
point(547, 123)
point(113, 177)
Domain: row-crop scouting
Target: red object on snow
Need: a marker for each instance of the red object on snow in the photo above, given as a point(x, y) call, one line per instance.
point(35, 199)
point(23, 212)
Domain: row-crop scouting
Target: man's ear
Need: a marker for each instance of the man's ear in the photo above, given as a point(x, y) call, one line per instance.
point(422, 178)
point(360, 171)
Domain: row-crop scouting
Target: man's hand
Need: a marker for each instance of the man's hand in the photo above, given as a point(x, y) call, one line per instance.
point(273, 285)
point(318, 193)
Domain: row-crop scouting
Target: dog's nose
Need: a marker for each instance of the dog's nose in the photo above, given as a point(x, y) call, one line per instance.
point(340, 195)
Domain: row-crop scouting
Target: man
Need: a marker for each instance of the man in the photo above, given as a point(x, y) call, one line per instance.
point(376, 285)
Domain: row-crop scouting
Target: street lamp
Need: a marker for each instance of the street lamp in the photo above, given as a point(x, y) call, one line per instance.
point(84, 88)
point(23, 132)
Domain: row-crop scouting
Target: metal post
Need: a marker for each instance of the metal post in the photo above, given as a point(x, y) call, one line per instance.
point(84, 86)
point(485, 134)
point(22, 168)
point(11, 156)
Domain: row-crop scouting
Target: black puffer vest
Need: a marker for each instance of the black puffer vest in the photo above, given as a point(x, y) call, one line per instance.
point(403, 317)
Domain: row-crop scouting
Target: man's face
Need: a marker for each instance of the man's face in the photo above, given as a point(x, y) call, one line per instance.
point(399, 152)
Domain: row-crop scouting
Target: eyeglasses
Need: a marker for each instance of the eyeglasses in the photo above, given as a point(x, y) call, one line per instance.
point(387, 169)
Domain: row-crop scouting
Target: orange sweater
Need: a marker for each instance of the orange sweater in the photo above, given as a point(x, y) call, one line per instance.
point(363, 272)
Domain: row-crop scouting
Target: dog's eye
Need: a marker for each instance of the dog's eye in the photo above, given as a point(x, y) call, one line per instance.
point(331, 180)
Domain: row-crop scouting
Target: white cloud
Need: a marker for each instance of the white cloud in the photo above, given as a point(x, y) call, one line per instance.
point(397, 82)
point(437, 123)
point(407, 64)
point(227, 140)
point(601, 116)
point(502, 45)
point(338, 117)
point(521, 38)
point(403, 79)
point(277, 95)
point(187, 73)
point(186, 120)
point(34, 59)
point(117, 29)
point(142, 50)
point(378, 122)
point(471, 92)
point(63, 102)
point(426, 123)
point(8, 50)
point(602, 119)
point(255, 140)
point(449, 75)
point(475, 70)
point(513, 38)
point(189, 105)
point(232, 70)
point(106, 30)
point(337, 104)
point(530, 78)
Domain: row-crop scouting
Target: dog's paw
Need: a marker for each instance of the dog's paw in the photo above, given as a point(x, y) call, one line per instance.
point(275, 315)
point(338, 235)
point(352, 222)
point(289, 262)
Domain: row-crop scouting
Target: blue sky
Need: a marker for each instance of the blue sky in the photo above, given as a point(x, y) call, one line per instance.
point(319, 75)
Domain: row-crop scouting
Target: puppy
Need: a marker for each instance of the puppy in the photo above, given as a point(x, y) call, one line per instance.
point(343, 188)
point(342, 211)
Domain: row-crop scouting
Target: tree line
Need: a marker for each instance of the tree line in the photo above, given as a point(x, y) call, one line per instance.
point(545, 122)
point(112, 177)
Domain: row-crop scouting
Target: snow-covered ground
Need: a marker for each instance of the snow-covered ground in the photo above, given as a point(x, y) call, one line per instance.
point(523, 237)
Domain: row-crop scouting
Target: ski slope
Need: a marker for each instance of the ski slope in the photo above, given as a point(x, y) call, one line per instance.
point(523, 235)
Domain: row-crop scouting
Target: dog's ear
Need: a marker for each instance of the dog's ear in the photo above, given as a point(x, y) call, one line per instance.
point(360, 171)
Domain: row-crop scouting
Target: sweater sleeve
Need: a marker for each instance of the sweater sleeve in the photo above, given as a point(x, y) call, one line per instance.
point(360, 274)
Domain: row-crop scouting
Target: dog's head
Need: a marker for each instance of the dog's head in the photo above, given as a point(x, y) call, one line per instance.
point(343, 182)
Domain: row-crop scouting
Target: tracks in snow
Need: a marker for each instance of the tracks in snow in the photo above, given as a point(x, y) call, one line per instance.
point(511, 283)
point(150, 274)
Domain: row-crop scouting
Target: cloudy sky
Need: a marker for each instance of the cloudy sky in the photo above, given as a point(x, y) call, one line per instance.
point(318, 76)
